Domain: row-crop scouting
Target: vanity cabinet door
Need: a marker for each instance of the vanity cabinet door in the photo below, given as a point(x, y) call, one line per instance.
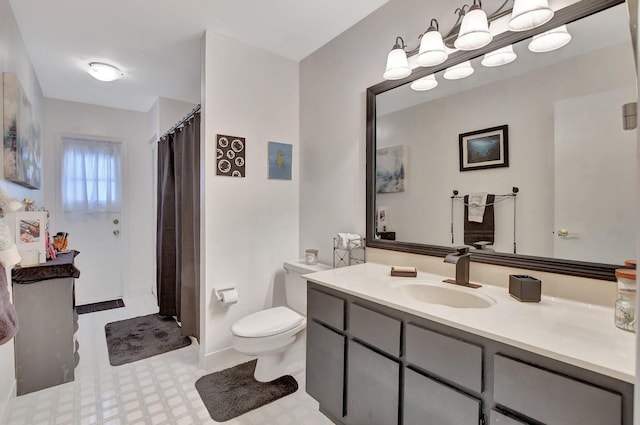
point(325, 367)
point(427, 401)
point(372, 387)
point(551, 398)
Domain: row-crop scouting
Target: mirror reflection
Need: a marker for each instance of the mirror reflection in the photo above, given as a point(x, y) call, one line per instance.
point(548, 123)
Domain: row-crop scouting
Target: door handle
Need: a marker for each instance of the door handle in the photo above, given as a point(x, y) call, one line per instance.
point(116, 232)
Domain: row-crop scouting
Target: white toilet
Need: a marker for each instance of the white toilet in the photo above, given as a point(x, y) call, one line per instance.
point(268, 334)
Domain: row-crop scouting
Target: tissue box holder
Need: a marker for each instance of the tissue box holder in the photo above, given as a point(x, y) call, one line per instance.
point(525, 288)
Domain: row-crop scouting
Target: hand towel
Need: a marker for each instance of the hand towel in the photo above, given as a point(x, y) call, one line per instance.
point(9, 257)
point(349, 240)
point(480, 232)
point(477, 204)
point(8, 317)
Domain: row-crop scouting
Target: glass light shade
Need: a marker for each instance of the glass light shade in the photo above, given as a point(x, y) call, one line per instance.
point(550, 40)
point(425, 83)
point(529, 14)
point(474, 30)
point(432, 51)
point(499, 57)
point(104, 71)
point(459, 71)
point(397, 65)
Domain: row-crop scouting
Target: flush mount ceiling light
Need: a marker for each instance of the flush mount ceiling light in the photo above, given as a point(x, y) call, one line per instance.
point(529, 14)
point(474, 30)
point(397, 63)
point(459, 71)
point(425, 83)
point(550, 40)
point(499, 57)
point(104, 71)
point(432, 51)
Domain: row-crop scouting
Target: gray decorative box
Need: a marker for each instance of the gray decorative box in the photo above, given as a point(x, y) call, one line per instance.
point(525, 288)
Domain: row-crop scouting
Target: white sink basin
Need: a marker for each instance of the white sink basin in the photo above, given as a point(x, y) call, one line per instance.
point(450, 296)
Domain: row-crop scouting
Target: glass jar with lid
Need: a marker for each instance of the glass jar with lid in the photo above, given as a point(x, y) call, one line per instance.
point(625, 307)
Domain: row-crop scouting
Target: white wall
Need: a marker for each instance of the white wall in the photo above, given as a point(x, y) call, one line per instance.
point(14, 59)
point(250, 224)
point(138, 237)
point(422, 213)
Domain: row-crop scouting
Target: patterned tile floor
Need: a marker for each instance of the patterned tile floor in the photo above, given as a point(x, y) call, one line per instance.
point(155, 391)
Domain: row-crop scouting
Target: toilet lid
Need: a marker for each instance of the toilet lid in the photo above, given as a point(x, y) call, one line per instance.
point(267, 322)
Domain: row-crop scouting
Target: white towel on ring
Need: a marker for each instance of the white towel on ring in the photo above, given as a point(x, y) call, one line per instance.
point(477, 203)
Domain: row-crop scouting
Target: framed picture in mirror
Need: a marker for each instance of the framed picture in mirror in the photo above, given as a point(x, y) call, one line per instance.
point(488, 148)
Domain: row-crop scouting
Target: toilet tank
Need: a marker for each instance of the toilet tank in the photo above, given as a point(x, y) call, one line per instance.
point(296, 286)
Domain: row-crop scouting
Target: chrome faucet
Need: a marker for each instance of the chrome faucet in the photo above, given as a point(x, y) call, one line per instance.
point(461, 258)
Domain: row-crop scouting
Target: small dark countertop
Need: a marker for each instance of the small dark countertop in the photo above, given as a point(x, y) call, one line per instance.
point(61, 267)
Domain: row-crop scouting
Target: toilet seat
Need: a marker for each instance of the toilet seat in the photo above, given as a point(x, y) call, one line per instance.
point(267, 322)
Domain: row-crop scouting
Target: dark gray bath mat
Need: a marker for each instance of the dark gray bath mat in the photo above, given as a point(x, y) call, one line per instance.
point(101, 306)
point(234, 391)
point(141, 337)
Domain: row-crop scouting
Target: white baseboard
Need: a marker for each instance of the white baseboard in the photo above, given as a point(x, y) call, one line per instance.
point(223, 359)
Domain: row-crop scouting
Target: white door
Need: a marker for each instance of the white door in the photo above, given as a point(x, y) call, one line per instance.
point(97, 237)
point(595, 161)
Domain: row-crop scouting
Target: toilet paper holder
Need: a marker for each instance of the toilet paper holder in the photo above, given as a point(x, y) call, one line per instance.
point(224, 300)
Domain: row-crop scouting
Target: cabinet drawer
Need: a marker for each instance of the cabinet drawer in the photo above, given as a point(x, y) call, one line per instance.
point(525, 389)
point(427, 401)
point(500, 419)
point(325, 367)
point(381, 331)
point(447, 357)
point(325, 308)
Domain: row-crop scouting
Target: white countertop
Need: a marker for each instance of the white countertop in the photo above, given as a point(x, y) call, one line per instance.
point(579, 334)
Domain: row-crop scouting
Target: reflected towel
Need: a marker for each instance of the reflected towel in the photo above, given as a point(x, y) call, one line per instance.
point(483, 231)
point(348, 240)
point(8, 317)
point(477, 204)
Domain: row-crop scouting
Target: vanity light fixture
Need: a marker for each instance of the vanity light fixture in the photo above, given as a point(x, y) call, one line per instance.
point(529, 14)
point(499, 57)
point(470, 32)
point(459, 71)
point(550, 40)
point(397, 62)
point(432, 51)
point(104, 72)
point(474, 30)
point(425, 83)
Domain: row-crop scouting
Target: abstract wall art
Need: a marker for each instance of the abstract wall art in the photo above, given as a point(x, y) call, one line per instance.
point(230, 155)
point(22, 136)
point(390, 169)
point(280, 160)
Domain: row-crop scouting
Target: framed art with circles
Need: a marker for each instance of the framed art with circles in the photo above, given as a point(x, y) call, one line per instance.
point(230, 155)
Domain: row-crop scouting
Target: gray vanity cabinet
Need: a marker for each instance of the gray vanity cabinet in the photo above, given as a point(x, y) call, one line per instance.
point(369, 364)
point(372, 398)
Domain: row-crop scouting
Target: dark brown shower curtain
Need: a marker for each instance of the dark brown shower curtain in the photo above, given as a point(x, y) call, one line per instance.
point(178, 226)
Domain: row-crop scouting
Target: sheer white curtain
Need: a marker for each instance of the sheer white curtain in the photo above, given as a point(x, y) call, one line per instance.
point(91, 175)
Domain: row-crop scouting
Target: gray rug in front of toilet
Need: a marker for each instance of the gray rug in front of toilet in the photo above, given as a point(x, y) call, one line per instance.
point(234, 391)
point(142, 337)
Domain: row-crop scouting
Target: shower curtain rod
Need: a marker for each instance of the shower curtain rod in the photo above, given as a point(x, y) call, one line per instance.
point(182, 121)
